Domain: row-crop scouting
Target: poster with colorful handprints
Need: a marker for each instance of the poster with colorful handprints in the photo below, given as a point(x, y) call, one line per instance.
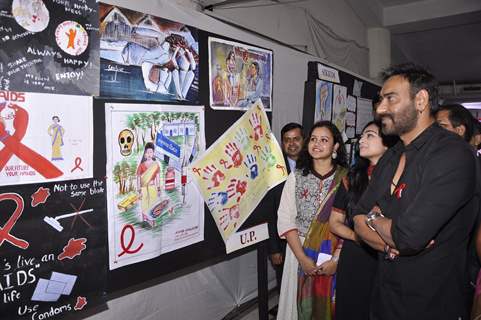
point(153, 206)
point(323, 106)
point(52, 243)
point(144, 57)
point(236, 171)
point(49, 46)
point(239, 74)
point(45, 137)
point(339, 107)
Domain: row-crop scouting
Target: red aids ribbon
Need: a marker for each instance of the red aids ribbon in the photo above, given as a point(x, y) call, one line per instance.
point(13, 145)
point(278, 166)
point(398, 191)
point(196, 170)
point(5, 231)
point(78, 162)
point(126, 248)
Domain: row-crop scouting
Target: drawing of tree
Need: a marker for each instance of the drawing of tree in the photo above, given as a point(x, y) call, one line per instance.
point(124, 174)
point(133, 121)
point(132, 175)
point(144, 124)
point(156, 116)
point(116, 173)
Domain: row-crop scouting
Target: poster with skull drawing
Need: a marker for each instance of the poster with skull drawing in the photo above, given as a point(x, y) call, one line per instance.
point(153, 206)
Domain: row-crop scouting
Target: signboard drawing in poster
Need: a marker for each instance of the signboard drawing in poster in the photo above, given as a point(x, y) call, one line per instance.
point(45, 137)
point(49, 46)
point(235, 173)
point(239, 74)
point(145, 57)
point(51, 243)
point(323, 104)
point(153, 207)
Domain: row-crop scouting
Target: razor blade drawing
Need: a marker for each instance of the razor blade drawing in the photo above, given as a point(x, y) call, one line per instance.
point(54, 221)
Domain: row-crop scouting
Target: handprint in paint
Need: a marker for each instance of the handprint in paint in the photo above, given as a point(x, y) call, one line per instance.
point(251, 164)
point(236, 187)
point(214, 175)
point(230, 216)
point(242, 138)
point(217, 199)
point(268, 157)
point(256, 123)
point(232, 150)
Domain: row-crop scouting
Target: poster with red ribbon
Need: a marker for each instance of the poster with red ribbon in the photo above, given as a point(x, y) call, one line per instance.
point(52, 239)
point(153, 205)
point(44, 137)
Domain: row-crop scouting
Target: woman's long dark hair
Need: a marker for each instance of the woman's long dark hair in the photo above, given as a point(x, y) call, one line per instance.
point(358, 174)
point(305, 162)
point(148, 145)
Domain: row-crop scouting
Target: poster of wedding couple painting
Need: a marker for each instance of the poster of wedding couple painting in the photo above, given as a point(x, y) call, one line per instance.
point(239, 74)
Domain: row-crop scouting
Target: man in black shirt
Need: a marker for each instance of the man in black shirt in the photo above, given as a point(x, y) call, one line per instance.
point(292, 135)
point(419, 206)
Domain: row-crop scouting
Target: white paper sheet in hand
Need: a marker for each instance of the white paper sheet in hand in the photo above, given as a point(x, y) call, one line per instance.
point(323, 257)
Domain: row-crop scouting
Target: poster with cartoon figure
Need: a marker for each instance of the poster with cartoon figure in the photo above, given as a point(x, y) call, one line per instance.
point(339, 107)
point(239, 74)
point(153, 206)
point(49, 46)
point(44, 137)
point(52, 242)
point(323, 106)
point(145, 57)
point(236, 171)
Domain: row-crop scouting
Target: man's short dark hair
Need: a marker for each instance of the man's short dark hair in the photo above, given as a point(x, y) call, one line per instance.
point(419, 78)
point(459, 115)
point(291, 126)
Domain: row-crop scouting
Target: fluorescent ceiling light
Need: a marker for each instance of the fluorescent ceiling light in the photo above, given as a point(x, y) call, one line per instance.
point(472, 105)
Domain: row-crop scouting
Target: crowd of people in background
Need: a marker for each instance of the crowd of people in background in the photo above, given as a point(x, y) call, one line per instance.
point(393, 232)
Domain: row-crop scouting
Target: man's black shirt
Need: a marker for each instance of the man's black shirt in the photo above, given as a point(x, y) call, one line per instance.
point(436, 198)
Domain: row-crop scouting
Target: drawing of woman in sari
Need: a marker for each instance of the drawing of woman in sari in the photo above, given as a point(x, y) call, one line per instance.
point(56, 132)
point(148, 182)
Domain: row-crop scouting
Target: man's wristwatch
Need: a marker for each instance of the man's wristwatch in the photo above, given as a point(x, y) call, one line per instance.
point(370, 217)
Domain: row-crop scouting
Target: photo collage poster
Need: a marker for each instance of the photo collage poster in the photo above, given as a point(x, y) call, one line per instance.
point(239, 74)
point(49, 46)
point(153, 206)
point(144, 57)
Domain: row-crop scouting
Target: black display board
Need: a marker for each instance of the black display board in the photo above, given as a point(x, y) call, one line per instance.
point(368, 90)
point(196, 256)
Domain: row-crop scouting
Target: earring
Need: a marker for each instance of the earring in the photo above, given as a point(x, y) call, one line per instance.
point(334, 155)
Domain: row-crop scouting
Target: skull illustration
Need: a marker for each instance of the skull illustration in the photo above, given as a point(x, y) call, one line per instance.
point(126, 140)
